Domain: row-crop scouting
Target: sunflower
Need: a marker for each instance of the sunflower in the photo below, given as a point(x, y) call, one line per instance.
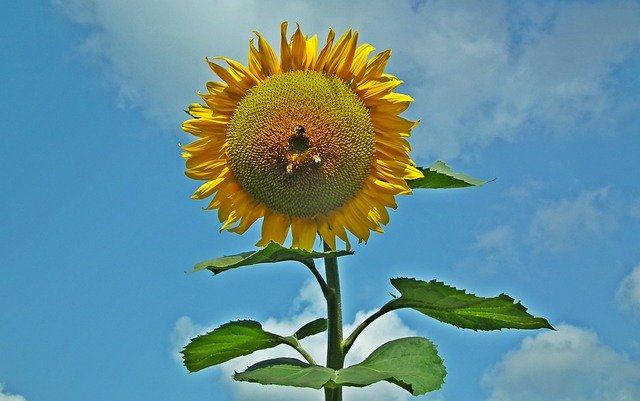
point(311, 142)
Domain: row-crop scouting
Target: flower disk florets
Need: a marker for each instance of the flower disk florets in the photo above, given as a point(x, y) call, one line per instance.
point(301, 143)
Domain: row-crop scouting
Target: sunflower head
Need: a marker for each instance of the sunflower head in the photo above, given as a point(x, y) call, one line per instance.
point(311, 142)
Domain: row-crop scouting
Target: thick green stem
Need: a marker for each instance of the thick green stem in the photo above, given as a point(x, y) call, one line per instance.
point(335, 352)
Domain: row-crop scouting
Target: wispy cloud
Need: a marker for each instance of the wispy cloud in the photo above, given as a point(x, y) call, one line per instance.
point(308, 306)
point(4, 396)
point(529, 223)
point(568, 364)
point(628, 293)
point(561, 225)
point(479, 72)
point(495, 238)
point(495, 249)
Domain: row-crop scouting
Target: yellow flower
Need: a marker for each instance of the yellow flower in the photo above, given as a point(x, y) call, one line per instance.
point(311, 142)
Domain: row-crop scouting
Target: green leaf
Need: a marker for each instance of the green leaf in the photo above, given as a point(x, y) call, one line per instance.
point(271, 253)
point(228, 341)
point(450, 305)
point(411, 363)
point(439, 175)
point(287, 372)
point(312, 328)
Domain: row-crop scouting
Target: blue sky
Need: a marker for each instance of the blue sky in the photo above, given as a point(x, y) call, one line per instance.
point(97, 226)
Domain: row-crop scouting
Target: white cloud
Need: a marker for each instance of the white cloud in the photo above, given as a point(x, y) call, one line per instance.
point(560, 225)
point(628, 293)
point(528, 225)
point(495, 238)
point(525, 192)
point(479, 72)
point(184, 330)
point(570, 364)
point(309, 306)
point(494, 249)
point(9, 397)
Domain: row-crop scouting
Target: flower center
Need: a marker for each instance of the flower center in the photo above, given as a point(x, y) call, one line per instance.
point(301, 143)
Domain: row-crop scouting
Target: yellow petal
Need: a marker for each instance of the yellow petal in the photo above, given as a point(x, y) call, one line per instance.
point(285, 50)
point(226, 189)
point(377, 89)
point(240, 72)
point(252, 213)
point(376, 65)
point(268, 59)
point(328, 236)
point(335, 57)
point(298, 50)
point(275, 227)
point(230, 80)
point(324, 53)
point(197, 110)
point(344, 66)
point(255, 62)
point(360, 59)
point(312, 51)
point(354, 222)
point(303, 232)
point(205, 127)
point(201, 144)
point(391, 123)
point(231, 219)
point(208, 188)
point(338, 228)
